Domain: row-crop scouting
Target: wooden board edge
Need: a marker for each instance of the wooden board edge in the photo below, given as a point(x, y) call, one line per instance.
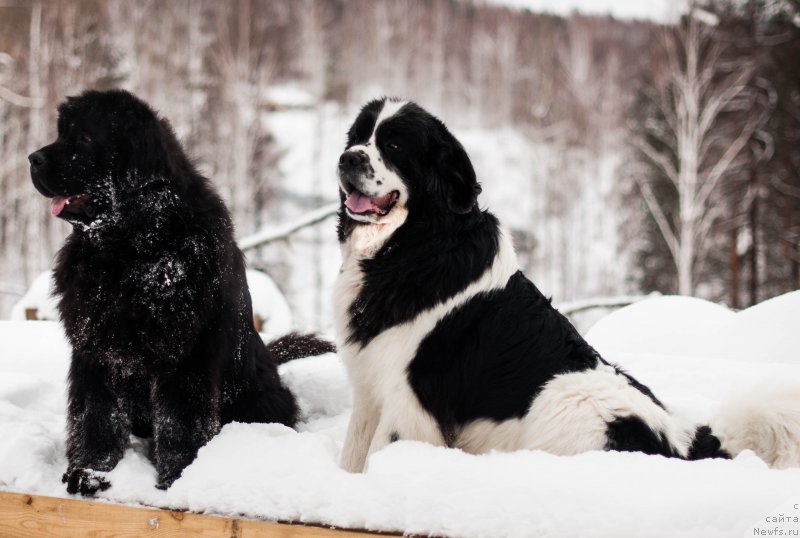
point(37, 516)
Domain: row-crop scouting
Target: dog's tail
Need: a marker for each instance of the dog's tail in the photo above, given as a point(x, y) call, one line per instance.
point(296, 346)
point(765, 420)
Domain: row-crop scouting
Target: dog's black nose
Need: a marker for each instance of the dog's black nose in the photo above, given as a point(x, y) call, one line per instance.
point(37, 159)
point(352, 159)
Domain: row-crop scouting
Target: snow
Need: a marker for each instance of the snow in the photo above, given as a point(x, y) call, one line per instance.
point(269, 303)
point(40, 297)
point(657, 10)
point(667, 325)
point(273, 472)
point(686, 326)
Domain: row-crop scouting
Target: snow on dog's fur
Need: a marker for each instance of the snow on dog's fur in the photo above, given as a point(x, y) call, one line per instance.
point(446, 341)
point(152, 294)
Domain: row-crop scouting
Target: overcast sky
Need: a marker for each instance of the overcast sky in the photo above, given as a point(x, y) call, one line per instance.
point(660, 10)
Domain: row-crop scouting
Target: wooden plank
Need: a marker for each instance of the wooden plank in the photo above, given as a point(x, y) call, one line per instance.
point(34, 516)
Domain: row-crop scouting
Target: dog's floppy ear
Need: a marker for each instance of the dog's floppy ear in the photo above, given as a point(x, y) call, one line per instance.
point(154, 148)
point(458, 182)
point(148, 154)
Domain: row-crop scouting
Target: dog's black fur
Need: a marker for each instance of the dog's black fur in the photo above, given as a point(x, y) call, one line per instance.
point(490, 357)
point(153, 295)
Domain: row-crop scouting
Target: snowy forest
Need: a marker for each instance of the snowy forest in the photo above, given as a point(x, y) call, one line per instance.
point(625, 156)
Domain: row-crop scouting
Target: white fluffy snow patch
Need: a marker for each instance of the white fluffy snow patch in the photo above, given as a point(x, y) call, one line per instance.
point(766, 332)
point(670, 325)
point(39, 297)
point(686, 326)
point(38, 349)
point(273, 472)
point(666, 11)
point(269, 303)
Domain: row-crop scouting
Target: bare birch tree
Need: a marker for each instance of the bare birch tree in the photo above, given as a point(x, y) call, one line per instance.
point(684, 141)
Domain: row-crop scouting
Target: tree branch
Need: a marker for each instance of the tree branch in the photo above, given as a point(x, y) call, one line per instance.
point(20, 100)
point(715, 103)
point(722, 165)
point(268, 235)
point(658, 214)
point(659, 159)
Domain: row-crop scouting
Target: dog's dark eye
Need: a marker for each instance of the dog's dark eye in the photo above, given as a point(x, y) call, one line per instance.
point(85, 139)
point(392, 146)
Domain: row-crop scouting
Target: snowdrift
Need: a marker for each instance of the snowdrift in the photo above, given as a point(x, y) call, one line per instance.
point(269, 304)
point(39, 297)
point(677, 346)
point(685, 326)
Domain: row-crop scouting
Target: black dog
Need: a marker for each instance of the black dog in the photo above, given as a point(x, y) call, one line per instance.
point(152, 294)
point(446, 341)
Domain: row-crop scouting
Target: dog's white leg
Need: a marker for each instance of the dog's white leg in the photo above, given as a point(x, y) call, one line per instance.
point(360, 432)
point(405, 419)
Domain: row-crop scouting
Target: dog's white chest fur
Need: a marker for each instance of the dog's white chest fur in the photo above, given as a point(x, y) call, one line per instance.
point(363, 243)
point(372, 362)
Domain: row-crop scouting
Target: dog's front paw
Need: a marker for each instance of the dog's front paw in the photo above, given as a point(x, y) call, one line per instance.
point(85, 481)
point(165, 481)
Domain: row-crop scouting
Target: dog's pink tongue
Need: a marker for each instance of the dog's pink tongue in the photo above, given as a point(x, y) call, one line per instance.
point(358, 203)
point(57, 205)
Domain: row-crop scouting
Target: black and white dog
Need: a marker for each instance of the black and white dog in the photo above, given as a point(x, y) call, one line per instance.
point(446, 341)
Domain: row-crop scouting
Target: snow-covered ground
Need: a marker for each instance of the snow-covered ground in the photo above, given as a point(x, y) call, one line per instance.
point(692, 353)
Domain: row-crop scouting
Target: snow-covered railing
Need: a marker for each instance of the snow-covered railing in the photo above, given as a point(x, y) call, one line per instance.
point(274, 233)
point(572, 307)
